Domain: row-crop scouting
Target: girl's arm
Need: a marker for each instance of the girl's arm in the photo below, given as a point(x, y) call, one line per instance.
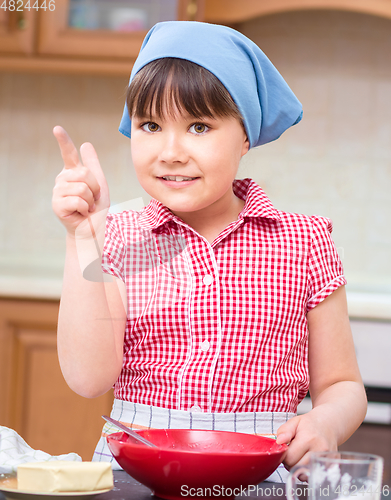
point(92, 316)
point(91, 326)
point(337, 392)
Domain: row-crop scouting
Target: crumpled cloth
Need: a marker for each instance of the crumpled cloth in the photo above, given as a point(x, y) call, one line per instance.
point(15, 451)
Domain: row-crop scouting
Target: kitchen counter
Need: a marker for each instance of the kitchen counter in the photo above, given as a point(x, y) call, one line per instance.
point(125, 487)
point(369, 305)
point(30, 287)
point(361, 305)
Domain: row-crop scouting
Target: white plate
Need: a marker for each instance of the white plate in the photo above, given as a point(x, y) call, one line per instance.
point(9, 488)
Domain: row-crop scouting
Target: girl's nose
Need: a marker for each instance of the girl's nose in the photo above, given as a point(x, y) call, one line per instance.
point(173, 149)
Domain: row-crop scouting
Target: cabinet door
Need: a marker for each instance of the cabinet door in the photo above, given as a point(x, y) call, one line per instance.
point(17, 28)
point(35, 400)
point(62, 34)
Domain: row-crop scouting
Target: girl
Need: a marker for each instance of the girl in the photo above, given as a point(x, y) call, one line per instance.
point(234, 309)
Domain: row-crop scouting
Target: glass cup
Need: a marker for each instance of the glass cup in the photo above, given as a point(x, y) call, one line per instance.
point(338, 475)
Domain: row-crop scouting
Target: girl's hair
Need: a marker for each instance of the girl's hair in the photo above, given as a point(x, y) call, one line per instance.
point(168, 85)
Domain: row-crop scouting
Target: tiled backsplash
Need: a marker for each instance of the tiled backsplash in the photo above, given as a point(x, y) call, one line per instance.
point(89, 108)
point(336, 162)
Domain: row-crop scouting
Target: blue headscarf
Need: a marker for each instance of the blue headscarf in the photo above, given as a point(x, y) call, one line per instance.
point(268, 106)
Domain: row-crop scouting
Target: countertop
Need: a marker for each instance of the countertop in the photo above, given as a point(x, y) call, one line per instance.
point(126, 488)
point(361, 305)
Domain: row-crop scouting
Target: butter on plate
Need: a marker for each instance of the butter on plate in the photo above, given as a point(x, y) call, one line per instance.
point(60, 475)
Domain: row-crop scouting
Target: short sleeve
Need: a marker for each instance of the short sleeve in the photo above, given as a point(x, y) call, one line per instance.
point(325, 267)
point(114, 250)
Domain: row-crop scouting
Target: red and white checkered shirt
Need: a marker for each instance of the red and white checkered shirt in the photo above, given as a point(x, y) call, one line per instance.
point(220, 327)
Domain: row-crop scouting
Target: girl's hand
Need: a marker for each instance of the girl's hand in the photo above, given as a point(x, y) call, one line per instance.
point(337, 392)
point(81, 190)
point(304, 434)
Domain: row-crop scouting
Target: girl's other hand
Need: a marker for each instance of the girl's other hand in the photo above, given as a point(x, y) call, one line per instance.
point(81, 189)
point(338, 397)
point(304, 434)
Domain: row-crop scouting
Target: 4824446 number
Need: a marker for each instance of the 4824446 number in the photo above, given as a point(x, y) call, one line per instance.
point(21, 5)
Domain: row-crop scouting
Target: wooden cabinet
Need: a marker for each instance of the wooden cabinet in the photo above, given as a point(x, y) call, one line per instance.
point(35, 399)
point(42, 40)
point(17, 31)
point(55, 37)
point(232, 12)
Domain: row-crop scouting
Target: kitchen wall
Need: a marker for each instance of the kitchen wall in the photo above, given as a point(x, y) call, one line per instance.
point(89, 108)
point(336, 162)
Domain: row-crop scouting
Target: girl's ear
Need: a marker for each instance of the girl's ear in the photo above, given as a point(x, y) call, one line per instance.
point(246, 146)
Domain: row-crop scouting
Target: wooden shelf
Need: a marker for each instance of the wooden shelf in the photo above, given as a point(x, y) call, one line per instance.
point(232, 11)
point(47, 45)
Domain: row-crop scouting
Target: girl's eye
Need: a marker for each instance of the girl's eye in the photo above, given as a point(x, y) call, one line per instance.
point(199, 128)
point(150, 127)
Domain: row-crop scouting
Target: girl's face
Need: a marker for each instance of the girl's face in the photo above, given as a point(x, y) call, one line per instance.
point(188, 164)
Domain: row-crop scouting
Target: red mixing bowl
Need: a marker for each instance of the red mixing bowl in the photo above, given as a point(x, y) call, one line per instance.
point(197, 462)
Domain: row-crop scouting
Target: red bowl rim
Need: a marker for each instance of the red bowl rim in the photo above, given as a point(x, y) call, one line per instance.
point(282, 447)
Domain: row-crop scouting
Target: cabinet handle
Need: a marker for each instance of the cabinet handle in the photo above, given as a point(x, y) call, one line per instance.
point(22, 22)
point(13, 19)
point(192, 9)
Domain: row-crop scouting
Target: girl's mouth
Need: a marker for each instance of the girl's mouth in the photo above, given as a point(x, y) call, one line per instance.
point(178, 178)
point(178, 181)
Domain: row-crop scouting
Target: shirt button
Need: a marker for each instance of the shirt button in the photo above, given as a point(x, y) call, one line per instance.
point(207, 280)
point(195, 408)
point(205, 345)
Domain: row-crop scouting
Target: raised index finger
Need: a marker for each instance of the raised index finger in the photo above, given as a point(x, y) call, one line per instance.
point(68, 151)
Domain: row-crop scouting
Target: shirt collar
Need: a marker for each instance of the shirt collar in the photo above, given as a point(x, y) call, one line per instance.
point(257, 204)
point(154, 215)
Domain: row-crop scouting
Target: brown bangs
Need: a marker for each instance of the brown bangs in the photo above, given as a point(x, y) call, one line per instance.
point(169, 85)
